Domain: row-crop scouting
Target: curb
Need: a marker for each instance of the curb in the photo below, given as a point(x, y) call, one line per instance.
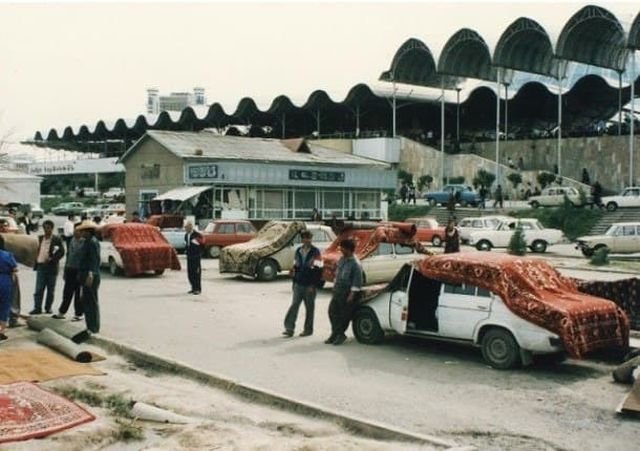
point(361, 426)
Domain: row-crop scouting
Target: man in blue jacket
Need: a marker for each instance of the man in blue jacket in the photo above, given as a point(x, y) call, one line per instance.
point(307, 273)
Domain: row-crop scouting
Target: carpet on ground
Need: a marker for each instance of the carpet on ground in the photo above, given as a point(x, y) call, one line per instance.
point(39, 364)
point(28, 411)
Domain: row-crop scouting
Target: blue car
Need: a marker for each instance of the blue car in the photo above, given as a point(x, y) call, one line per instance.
point(465, 196)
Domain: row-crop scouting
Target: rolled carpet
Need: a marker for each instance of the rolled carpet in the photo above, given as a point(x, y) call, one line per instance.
point(64, 345)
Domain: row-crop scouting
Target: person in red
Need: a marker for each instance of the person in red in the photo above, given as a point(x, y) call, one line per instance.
point(194, 242)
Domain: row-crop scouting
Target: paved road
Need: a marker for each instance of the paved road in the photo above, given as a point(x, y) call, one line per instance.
point(234, 328)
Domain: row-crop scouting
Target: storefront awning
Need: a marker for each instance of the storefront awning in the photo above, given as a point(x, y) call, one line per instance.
point(182, 194)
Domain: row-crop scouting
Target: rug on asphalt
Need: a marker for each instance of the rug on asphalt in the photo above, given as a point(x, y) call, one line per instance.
point(28, 411)
point(39, 364)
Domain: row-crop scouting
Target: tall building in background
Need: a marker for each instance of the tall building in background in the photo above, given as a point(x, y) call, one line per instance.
point(176, 101)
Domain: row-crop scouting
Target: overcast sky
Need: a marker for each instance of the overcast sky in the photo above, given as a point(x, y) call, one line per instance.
point(75, 63)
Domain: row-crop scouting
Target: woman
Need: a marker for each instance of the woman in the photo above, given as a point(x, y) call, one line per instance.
point(451, 238)
point(8, 270)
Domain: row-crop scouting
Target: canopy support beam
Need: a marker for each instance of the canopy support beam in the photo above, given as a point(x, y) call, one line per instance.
point(442, 133)
point(559, 163)
point(632, 77)
point(619, 103)
point(393, 107)
point(284, 125)
point(499, 74)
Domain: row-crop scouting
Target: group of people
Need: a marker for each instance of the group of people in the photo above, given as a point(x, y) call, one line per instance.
point(81, 275)
point(408, 193)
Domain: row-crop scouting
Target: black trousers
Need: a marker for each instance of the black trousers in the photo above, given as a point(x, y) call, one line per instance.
point(340, 311)
point(91, 306)
point(194, 273)
point(71, 290)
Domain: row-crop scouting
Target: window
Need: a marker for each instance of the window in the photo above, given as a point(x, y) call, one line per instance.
point(403, 250)
point(464, 223)
point(244, 228)
point(467, 290)
point(226, 228)
point(526, 226)
point(629, 231)
point(477, 224)
point(319, 236)
point(384, 249)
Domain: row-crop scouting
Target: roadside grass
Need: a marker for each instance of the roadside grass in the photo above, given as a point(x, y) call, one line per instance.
point(573, 221)
point(400, 212)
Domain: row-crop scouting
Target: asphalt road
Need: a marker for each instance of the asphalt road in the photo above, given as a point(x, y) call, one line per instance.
point(233, 329)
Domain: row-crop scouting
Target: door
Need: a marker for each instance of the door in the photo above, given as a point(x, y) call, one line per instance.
point(224, 234)
point(244, 232)
point(377, 265)
point(626, 240)
point(460, 308)
point(399, 305)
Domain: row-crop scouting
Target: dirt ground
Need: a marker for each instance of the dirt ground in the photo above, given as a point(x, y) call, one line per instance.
point(221, 421)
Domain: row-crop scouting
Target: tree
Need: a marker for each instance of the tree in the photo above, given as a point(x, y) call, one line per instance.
point(425, 180)
point(517, 243)
point(405, 176)
point(516, 179)
point(546, 178)
point(485, 178)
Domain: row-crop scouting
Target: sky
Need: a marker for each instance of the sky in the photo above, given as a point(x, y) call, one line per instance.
point(76, 63)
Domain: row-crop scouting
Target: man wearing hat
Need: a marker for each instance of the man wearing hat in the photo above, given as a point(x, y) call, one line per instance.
point(89, 274)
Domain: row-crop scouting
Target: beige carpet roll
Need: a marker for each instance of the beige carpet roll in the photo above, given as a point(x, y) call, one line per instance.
point(63, 345)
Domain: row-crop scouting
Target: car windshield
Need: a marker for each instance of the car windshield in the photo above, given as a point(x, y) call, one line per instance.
point(612, 231)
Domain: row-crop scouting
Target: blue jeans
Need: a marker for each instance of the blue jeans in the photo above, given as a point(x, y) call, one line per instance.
point(300, 294)
point(45, 279)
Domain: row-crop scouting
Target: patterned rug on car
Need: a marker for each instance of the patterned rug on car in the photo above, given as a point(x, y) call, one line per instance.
point(28, 411)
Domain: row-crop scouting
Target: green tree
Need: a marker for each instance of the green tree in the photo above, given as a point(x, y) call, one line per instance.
point(546, 178)
point(485, 178)
point(425, 180)
point(405, 176)
point(517, 243)
point(515, 178)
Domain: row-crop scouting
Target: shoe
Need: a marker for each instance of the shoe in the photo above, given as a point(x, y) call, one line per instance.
point(190, 292)
point(3, 337)
point(35, 312)
point(15, 323)
point(58, 316)
point(330, 340)
point(76, 318)
point(48, 311)
point(287, 333)
point(196, 292)
point(339, 340)
point(306, 333)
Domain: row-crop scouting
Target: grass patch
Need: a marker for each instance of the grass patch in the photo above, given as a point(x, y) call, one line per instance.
point(400, 212)
point(573, 221)
point(127, 432)
point(117, 404)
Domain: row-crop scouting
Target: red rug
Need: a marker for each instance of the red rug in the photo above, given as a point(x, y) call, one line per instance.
point(28, 411)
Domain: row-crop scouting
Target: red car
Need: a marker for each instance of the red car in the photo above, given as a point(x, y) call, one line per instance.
point(225, 232)
point(428, 230)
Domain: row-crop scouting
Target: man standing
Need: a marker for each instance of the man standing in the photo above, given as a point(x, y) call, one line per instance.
point(50, 251)
point(68, 229)
point(346, 292)
point(193, 240)
point(306, 277)
point(498, 197)
point(72, 284)
point(89, 274)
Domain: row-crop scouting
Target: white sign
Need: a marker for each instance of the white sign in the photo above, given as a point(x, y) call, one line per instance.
point(93, 166)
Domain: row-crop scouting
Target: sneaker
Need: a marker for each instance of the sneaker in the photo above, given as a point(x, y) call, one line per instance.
point(35, 312)
point(287, 333)
point(306, 333)
point(330, 340)
point(49, 312)
point(76, 318)
point(58, 316)
point(339, 339)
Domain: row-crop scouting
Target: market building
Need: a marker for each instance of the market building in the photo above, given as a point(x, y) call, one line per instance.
point(19, 188)
point(207, 175)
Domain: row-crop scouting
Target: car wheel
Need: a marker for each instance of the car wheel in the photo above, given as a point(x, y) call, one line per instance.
point(598, 247)
point(267, 270)
point(535, 204)
point(436, 241)
point(539, 246)
point(500, 349)
point(432, 202)
point(464, 204)
point(612, 206)
point(159, 272)
point(587, 252)
point(483, 245)
point(113, 267)
point(366, 327)
point(214, 251)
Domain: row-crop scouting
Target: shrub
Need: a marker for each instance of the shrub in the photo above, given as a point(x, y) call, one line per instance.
point(600, 257)
point(573, 222)
point(485, 178)
point(424, 180)
point(515, 178)
point(405, 176)
point(546, 178)
point(399, 212)
point(517, 243)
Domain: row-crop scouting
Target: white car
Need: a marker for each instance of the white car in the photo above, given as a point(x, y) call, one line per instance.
point(113, 193)
point(621, 237)
point(538, 238)
point(629, 197)
point(468, 225)
point(554, 197)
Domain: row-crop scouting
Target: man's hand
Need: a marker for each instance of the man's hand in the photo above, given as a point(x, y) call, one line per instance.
point(89, 280)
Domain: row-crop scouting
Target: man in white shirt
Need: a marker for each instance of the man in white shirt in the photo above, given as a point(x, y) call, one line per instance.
point(68, 228)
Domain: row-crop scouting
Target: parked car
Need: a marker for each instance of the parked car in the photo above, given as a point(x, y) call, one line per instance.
point(538, 237)
point(113, 193)
point(225, 232)
point(136, 248)
point(428, 230)
point(175, 237)
point(554, 197)
point(511, 307)
point(629, 197)
point(97, 210)
point(272, 250)
point(36, 211)
point(68, 208)
point(468, 225)
point(466, 195)
point(382, 251)
point(621, 237)
point(88, 192)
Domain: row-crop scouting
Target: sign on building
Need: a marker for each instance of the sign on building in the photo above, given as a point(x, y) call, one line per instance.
point(92, 166)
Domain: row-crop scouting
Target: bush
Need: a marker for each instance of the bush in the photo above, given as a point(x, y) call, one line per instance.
point(424, 180)
point(515, 178)
point(546, 178)
point(600, 257)
point(485, 178)
point(517, 243)
point(573, 222)
point(399, 212)
point(405, 176)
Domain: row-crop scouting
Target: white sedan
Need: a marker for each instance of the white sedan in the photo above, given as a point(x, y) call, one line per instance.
point(468, 225)
point(535, 234)
point(630, 197)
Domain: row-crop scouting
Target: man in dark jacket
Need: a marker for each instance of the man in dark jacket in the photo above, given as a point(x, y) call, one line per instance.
point(194, 241)
point(307, 274)
point(89, 274)
point(50, 251)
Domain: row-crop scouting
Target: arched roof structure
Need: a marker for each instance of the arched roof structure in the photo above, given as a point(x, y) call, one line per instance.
point(633, 40)
point(467, 55)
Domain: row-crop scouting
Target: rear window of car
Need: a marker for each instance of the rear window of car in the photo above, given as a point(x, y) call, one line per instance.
point(244, 228)
point(319, 236)
point(403, 250)
point(226, 228)
point(384, 249)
